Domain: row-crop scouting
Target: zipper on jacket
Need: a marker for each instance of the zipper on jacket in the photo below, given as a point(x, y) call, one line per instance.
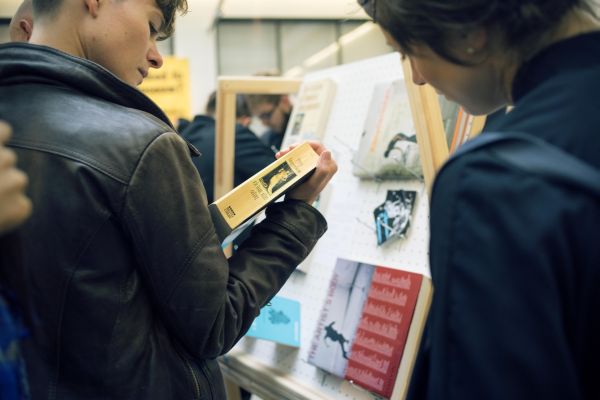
point(196, 383)
point(208, 380)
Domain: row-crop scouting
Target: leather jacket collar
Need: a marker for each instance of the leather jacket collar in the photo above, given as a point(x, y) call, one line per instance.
point(24, 62)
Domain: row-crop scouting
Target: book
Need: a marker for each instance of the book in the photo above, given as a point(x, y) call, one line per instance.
point(310, 114)
point(233, 212)
point(278, 321)
point(450, 111)
point(467, 126)
point(370, 326)
point(388, 147)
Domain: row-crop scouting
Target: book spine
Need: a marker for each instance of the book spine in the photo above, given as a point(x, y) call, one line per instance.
point(458, 129)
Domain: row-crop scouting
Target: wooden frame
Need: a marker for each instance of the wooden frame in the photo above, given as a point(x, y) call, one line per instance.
point(228, 88)
point(267, 382)
point(427, 117)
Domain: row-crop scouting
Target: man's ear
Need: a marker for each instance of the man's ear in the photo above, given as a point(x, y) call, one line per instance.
point(26, 27)
point(93, 6)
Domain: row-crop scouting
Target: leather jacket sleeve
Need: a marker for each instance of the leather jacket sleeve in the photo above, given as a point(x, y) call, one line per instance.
point(206, 301)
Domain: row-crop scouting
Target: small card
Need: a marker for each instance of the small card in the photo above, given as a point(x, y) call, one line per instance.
point(279, 321)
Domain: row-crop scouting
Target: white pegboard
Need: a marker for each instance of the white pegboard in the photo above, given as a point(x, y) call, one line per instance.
point(349, 212)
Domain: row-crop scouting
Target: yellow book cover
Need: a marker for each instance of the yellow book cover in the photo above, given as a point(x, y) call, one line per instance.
point(233, 212)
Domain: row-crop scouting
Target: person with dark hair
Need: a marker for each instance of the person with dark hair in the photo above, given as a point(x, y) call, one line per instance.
point(15, 207)
point(513, 249)
point(274, 111)
point(133, 296)
point(251, 155)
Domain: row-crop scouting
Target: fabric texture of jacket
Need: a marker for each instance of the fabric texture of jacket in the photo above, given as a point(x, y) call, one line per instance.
point(134, 298)
point(251, 155)
point(514, 257)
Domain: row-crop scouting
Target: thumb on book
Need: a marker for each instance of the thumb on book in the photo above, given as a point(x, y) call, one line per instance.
point(309, 190)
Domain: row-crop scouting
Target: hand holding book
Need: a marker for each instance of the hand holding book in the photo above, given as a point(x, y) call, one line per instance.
point(300, 172)
point(309, 190)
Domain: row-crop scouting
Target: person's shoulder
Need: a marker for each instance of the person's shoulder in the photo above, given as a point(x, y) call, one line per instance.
point(477, 162)
point(244, 133)
point(477, 174)
point(201, 125)
point(105, 136)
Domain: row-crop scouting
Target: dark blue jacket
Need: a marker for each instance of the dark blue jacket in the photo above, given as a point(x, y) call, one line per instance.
point(272, 139)
point(251, 155)
point(515, 258)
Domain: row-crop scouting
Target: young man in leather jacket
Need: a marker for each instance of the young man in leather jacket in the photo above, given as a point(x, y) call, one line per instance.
point(133, 296)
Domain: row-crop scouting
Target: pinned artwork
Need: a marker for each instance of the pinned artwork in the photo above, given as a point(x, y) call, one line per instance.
point(392, 218)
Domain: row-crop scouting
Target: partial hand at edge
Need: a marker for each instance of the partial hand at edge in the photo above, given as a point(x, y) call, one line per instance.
point(15, 207)
point(309, 190)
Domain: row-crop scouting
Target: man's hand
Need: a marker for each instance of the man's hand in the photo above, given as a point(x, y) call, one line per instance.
point(326, 168)
point(14, 206)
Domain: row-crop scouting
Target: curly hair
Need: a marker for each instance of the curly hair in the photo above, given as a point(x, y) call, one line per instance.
point(169, 8)
point(437, 22)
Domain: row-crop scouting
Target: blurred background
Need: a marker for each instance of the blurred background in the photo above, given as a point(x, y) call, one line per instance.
point(243, 37)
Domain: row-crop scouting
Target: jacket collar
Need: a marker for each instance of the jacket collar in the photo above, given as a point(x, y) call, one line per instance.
point(564, 57)
point(27, 63)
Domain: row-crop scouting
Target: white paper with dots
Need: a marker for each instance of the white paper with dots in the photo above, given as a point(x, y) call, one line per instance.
point(351, 234)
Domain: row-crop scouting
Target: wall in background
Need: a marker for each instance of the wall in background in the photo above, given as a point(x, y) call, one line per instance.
point(292, 9)
point(195, 39)
point(227, 37)
point(8, 8)
point(4, 36)
point(247, 46)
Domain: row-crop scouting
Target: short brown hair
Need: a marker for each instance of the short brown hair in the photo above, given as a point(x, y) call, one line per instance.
point(167, 7)
point(254, 100)
point(241, 105)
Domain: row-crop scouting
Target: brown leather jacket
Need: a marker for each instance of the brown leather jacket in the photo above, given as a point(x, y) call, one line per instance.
point(133, 296)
